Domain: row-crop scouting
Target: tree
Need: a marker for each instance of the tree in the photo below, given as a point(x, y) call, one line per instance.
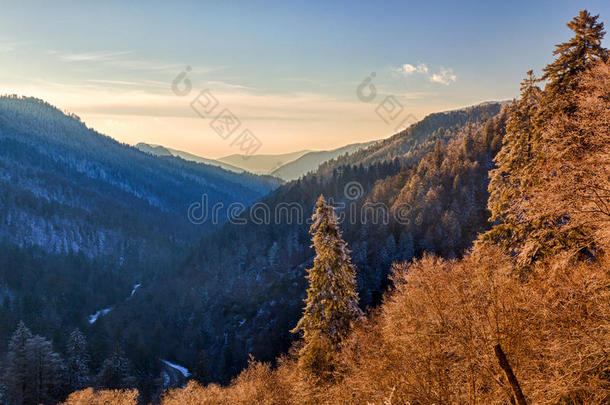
point(45, 372)
point(573, 58)
point(332, 299)
point(505, 186)
point(33, 373)
point(273, 254)
point(16, 371)
point(115, 372)
point(575, 178)
point(78, 361)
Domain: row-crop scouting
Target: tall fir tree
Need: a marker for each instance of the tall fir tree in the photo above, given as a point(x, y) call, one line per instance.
point(33, 373)
point(332, 299)
point(572, 58)
point(115, 372)
point(505, 185)
point(16, 366)
point(46, 372)
point(77, 364)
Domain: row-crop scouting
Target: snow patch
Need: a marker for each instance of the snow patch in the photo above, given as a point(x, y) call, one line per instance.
point(183, 370)
point(135, 288)
point(101, 312)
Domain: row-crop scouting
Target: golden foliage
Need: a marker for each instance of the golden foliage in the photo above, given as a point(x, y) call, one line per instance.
point(106, 397)
point(433, 341)
point(574, 177)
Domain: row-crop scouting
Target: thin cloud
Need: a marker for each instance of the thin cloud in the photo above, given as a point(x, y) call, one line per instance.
point(117, 60)
point(10, 46)
point(92, 56)
point(445, 76)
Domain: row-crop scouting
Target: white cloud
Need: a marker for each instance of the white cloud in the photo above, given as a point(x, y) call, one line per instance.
point(445, 76)
point(408, 69)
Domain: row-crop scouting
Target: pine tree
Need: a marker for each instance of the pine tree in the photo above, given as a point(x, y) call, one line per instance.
point(45, 372)
point(505, 186)
point(78, 361)
point(332, 299)
point(115, 372)
point(573, 58)
point(273, 254)
point(16, 371)
point(34, 372)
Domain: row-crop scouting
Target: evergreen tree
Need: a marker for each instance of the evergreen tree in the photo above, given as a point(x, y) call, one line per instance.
point(115, 372)
point(34, 372)
point(16, 371)
point(332, 299)
point(273, 254)
point(78, 361)
point(573, 58)
point(45, 372)
point(406, 246)
point(505, 186)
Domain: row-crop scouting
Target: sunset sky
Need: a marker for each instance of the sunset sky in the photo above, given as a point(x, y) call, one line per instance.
point(289, 71)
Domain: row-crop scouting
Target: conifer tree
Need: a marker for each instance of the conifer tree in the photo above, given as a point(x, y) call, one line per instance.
point(332, 299)
point(572, 58)
point(115, 372)
point(45, 372)
point(16, 367)
point(505, 186)
point(33, 372)
point(78, 361)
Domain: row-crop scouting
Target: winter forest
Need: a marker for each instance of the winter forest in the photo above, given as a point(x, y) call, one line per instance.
point(463, 259)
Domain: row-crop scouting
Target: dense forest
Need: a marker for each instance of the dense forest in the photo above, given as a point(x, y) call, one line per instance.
point(484, 278)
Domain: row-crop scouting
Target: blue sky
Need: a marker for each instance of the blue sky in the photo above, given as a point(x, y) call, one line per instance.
point(288, 70)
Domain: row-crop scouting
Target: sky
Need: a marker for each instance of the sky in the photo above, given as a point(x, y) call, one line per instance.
point(292, 74)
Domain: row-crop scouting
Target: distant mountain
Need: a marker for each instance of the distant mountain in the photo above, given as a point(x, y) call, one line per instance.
point(262, 164)
point(159, 150)
point(287, 166)
point(310, 161)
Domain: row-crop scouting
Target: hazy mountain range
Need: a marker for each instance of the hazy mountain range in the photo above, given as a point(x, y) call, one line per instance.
point(286, 166)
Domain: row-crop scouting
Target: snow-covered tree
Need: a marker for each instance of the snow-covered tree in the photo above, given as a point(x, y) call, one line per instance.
point(115, 372)
point(332, 299)
point(78, 361)
point(34, 372)
point(273, 254)
point(45, 371)
point(16, 370)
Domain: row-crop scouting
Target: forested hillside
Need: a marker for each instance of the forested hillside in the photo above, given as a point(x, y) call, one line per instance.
point(84, 218)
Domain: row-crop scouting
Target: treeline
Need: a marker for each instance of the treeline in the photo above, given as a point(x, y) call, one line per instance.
point(34, 373)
